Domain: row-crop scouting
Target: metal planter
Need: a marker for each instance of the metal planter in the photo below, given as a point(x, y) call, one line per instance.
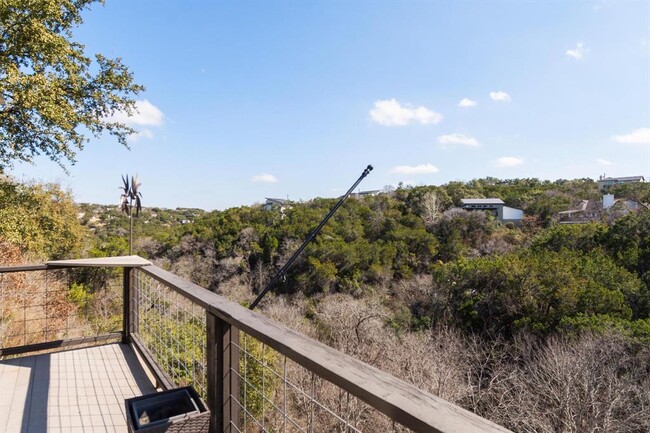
point(175, 411)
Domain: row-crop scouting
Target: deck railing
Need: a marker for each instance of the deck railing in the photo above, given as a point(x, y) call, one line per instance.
point(255, 374)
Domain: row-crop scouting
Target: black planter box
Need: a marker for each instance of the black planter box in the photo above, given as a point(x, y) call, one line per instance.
point(175, 411)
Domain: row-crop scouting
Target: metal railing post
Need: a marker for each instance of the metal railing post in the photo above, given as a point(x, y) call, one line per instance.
point(134, 287)
point(222, 359)
point(126, 310)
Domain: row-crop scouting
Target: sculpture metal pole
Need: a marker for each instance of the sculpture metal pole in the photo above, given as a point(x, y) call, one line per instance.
point(311, 236)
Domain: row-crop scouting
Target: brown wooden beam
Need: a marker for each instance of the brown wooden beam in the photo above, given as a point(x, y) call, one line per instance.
point(126, 305)
point(59, 344)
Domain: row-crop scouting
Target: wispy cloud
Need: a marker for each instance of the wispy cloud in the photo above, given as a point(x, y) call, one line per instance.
point(466, 103)
point(638, 136)
point(390, 112)
point(601, 4)
point(578, 52)
point(456, 139)
point(500, 96)
point(145, 114)
point(507, 161)
point(414, 169)
point(145, 133)
point(264, 178)
point(601, 161)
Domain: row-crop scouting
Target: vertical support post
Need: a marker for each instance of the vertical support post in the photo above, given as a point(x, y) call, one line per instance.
point(126, 306)
point(222, 359)
point(134, 303)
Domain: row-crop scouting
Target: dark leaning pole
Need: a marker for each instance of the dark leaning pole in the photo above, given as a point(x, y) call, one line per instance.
point(311, 236)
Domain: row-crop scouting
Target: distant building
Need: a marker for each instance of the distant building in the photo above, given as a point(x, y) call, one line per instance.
point(276, 203)
point(606, 182)
point(585, 211)
point(370, 193)
point(594, 210)
point(362, 194)
point(502, 212)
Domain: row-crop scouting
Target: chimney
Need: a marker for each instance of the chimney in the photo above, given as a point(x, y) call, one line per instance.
point(608, 201)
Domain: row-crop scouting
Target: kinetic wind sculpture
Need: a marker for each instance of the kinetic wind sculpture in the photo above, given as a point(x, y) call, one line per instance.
point(130, 197)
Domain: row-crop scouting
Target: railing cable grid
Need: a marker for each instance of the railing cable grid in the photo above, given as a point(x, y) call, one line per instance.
point(173, 330)
point(279, 395)
point(49, 305)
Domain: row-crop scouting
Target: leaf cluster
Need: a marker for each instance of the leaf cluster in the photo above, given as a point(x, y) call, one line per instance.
point(51, 93)
point(41, 219)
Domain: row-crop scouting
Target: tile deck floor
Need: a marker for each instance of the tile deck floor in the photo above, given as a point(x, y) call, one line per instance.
point(80, 390)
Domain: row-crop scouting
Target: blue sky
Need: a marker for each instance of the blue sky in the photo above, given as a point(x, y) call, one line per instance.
point(254, 99)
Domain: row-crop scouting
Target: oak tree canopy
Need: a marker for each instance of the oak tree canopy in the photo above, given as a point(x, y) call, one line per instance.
point(53, 96)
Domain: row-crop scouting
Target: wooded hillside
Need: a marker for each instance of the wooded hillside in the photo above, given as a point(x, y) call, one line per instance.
point(539, 326)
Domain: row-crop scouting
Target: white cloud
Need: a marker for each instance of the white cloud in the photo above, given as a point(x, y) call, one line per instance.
point(507, 161)
point(466, 103)
point(414, 169)
point(638, 136)
point(602, 161)
point(264, 178)
point(578, 52)
point(458, 139)
point(389, 112)
point(144, 114)
point(500, 96)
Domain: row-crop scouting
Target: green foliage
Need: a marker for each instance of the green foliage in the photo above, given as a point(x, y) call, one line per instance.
point(604, 323)
point(178, 344)
point(258, 366)
point(487, 277)
point(80, 295)
point(535, 290)
point(51, 93)
point(41, 219)
point(639, 191)
point(628, 241)
point(576, 237)
point(459, 231)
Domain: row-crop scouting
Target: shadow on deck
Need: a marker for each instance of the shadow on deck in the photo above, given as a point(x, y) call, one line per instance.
point(81, 390)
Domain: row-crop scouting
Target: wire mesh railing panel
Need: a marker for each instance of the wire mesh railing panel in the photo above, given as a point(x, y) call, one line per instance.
point(57, 304)
point(173, 329)
point(279, 395)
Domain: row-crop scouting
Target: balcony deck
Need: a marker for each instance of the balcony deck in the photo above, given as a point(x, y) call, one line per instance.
point(81, 390)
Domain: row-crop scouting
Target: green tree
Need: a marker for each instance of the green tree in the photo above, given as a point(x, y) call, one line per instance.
point(40, 219)
point(51, 94)
point(534, 290)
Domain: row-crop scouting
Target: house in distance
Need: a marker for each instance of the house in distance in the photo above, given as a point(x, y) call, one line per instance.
point(276, 203)
point(606, 182)
point(502, 212)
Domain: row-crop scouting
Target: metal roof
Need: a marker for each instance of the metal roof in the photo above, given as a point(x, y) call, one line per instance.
point(276, 200)
point(492, 201)
point(623, 179)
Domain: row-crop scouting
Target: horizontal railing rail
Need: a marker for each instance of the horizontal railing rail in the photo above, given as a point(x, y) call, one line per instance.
point(256, 374)
point(46, 307)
